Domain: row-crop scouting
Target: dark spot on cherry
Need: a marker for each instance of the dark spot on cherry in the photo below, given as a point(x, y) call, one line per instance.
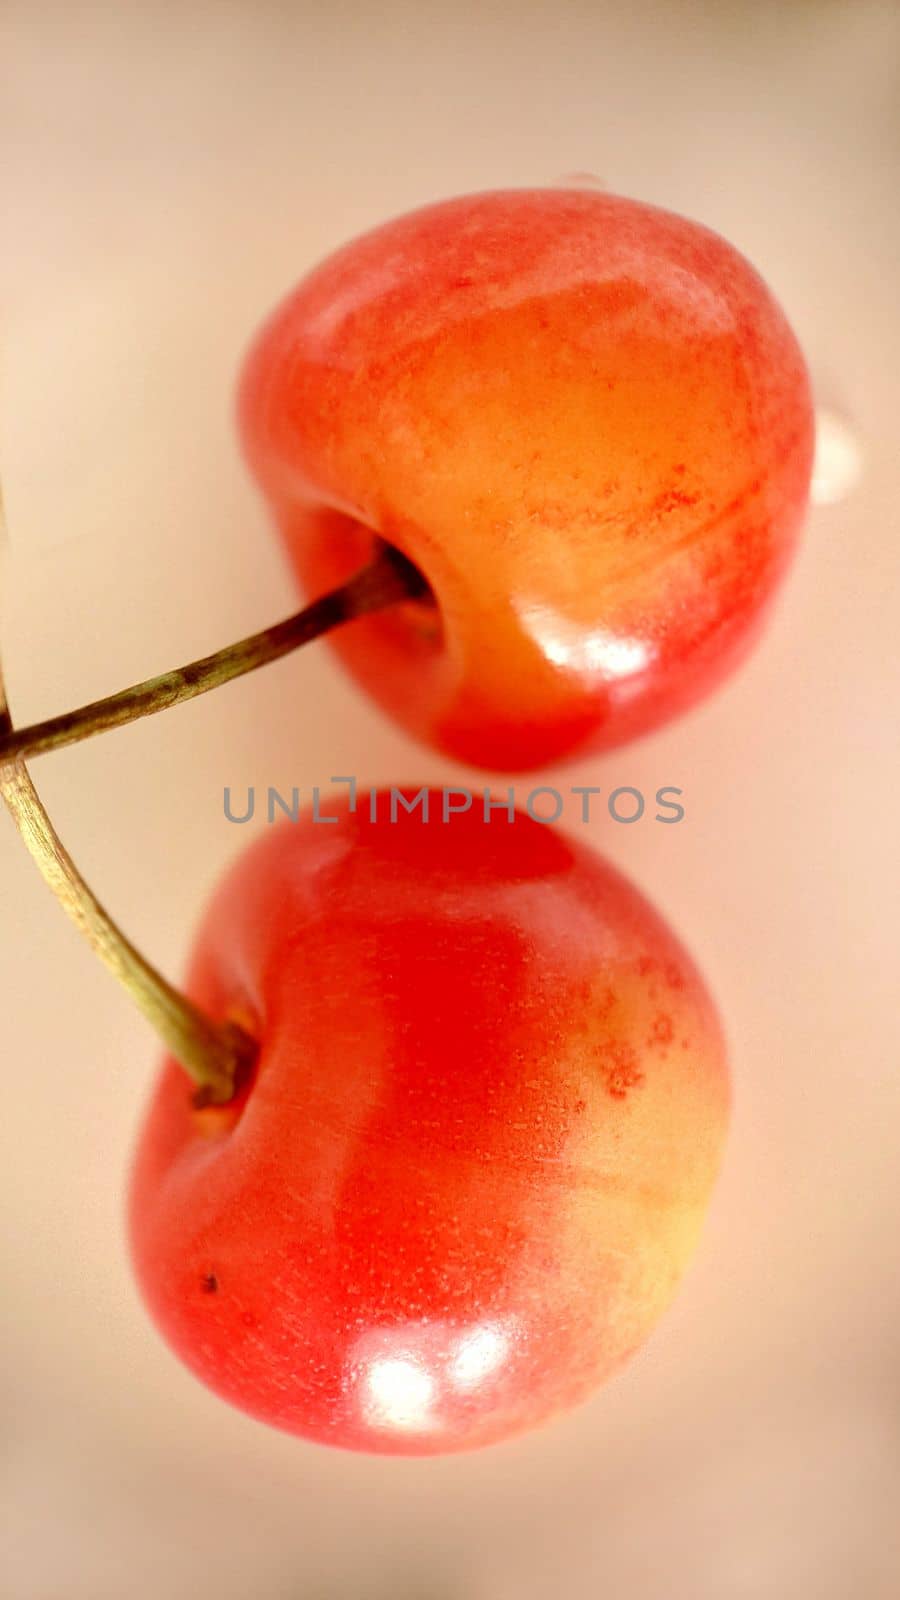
point(209, 1283)
point(663, 1031)
point(619, 1065)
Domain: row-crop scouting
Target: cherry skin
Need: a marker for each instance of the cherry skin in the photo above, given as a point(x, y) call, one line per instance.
point(472, 1162)
point(584, 419)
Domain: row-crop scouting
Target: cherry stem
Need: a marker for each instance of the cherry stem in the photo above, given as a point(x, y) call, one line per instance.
point(215, 1055)
point(387, 579)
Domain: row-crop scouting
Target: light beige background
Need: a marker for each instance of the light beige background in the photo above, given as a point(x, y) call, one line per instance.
point(168, 171)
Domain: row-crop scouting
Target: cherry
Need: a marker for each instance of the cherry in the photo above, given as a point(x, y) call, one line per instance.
point(459, 1185)
point(584, 419)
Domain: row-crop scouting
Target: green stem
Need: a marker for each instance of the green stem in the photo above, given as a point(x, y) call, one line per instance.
point(388, 579)
point(215, 1055)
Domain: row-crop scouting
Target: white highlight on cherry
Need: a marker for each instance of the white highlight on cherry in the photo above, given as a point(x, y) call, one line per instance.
point(609, 655)
point(404, 1390)
point(478, 1355)
point(400, 1392)
point(838, 460)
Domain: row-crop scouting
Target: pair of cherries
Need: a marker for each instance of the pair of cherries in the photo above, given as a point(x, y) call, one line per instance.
point(459, 1180)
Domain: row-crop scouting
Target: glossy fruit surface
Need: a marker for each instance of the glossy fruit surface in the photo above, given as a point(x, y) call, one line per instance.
point(588, 423)
point(485, 1121)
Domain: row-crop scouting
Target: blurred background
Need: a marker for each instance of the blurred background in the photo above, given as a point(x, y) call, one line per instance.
point(168, 171)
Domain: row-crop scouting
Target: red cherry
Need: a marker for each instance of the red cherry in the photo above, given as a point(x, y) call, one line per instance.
point(587, 422)
point(473, 1160)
